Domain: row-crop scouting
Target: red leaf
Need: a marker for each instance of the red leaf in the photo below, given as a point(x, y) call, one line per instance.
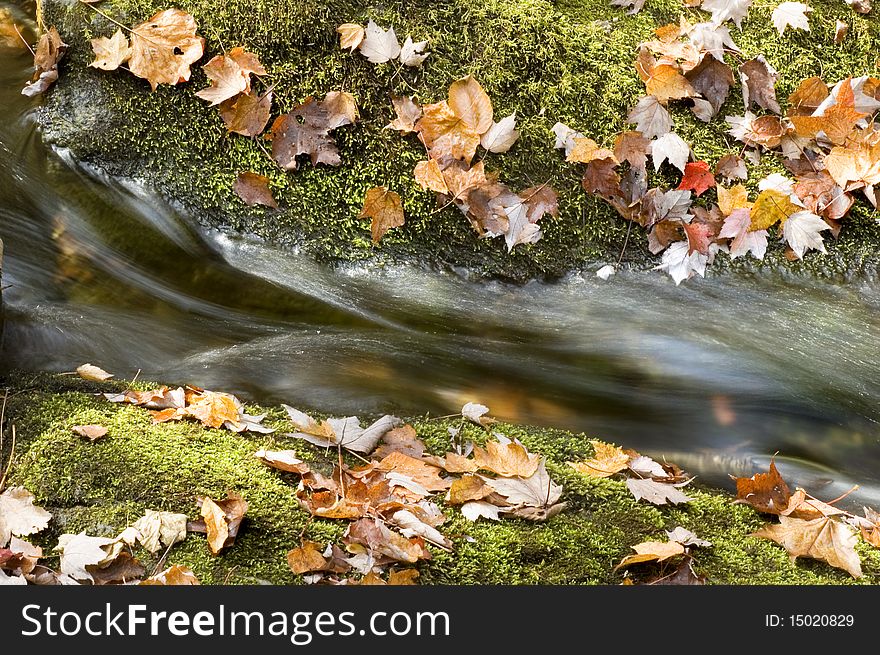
point(697, 177)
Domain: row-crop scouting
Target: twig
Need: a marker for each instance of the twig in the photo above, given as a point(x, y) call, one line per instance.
point(9, 464)
point(625, 242)
point(841, 497)
point(117, 23)
point(26, 44)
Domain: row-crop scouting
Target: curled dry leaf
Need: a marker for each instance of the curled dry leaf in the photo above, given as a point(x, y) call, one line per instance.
point(283, 460)
point(384, 208)
point(408, 112)
point(164, 47)
point(79, 552)
point(350, 36)
point(156, 530)
point(93, 373)
point(222, 520)
point(50, 49)
point(90, 432)
point(476, 413)
point(766, 492)
point(345, 432)
point(253, 189)
point(687, 538)
point(373, 536)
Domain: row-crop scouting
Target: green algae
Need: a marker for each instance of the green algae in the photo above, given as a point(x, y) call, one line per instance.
point(568, 61)
point(104, 486)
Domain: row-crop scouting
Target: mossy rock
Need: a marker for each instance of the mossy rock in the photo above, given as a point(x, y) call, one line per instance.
point(104, 486)
point(568, 60)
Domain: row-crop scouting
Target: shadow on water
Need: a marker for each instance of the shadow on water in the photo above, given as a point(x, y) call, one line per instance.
point(719, 371)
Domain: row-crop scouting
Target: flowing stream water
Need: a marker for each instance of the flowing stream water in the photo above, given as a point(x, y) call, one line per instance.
point(718, 374)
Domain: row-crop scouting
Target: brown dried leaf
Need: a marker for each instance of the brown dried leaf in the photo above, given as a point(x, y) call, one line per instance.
point(445, 135)
point(712, 79)
point(470, 104)
point(306, 130)
point(90, 432)
point(408, 112)
point(93, 373)
point(467, 488)
point(247, 114)
point(759, 80)
point(837, 122)
point(110, 53)
point(253, 189)
point(222, 520)
point(122, 569)
point(350, 36)
point(400, 440)
point(212, 408)
point(385, 208)
point(419, 471)
point(50, 49)
point(766, 492)
point(732, 167)
point(173, 576)
point(605, 462)
point(652, 551)
point(164, 47)
point(306, 558)
point(230, 75)
point(507, 460)
point(632, 147)
point(375, 537)
point(283, 460)
point(429, 176)
point(825, 539)
point(807, 97)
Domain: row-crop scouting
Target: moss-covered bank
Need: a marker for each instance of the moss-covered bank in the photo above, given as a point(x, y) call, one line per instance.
point(103, 486)
point(568, 60)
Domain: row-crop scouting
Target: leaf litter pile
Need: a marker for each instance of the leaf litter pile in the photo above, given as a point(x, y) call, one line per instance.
point(395, 501)
point(826, 138)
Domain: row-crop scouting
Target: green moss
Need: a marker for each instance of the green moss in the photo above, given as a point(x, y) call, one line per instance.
point(568, 61)
point(104, 486)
